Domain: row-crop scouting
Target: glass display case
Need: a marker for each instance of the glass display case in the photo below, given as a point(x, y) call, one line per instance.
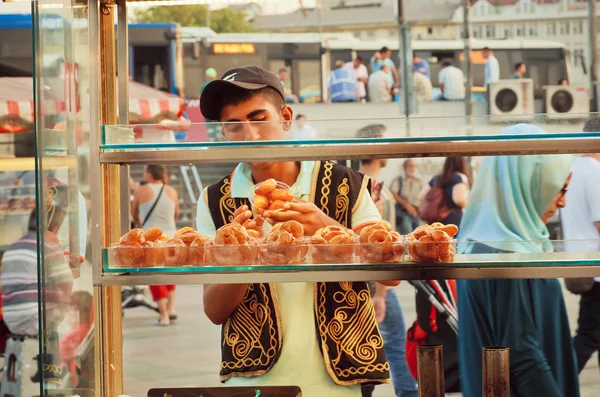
point(83, 165)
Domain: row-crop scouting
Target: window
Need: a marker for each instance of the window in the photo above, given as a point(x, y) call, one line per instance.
point(521, 31)
point(371, 34)
point(551, 28)
point(533, 30)
point(564, 28)
point(578, 27)
point(356, 34)
point(490, 31)
point(430, 30)
point(393, 33)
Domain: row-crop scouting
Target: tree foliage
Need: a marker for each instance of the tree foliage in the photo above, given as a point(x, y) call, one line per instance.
point(224, 20)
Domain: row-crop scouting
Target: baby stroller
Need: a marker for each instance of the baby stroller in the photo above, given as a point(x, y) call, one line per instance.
point(436, 324)
point(134, 297)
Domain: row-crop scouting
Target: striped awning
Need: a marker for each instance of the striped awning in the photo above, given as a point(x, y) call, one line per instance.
point(146, 104)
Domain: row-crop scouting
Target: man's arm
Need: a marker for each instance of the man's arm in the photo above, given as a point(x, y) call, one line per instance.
point(396, 76)
point(597, 224)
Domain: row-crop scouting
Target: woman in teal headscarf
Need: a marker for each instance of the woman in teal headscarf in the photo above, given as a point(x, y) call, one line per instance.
point(511, 202)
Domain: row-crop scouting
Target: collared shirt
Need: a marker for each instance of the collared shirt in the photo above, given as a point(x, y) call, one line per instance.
point(409, 189)
point(306, 132)
point(454, 83)
point(343, 85)
point(242, 183)
point(376, 65)
point(423, 87)
point(422, 64)
point(360, 72)
point(379, 87)
point(492, 71)
point(296, 302)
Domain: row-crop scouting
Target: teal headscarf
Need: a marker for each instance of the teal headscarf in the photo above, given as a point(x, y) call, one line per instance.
point(510, 196)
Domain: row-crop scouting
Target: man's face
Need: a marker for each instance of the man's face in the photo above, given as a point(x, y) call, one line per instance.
point(522, 69)
point(300, 122)
point(386, 54)
point(357, 63)
point(283, 75)
point(486, 54)
point(383, 162)
point(256, 119)
point(410, 168)
point(416, 60)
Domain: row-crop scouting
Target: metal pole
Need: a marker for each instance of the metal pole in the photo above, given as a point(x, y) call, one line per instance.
point(593, 21)
point(123, 85)
point(468, 64)
point(404, 60)
point(430, 368)
point(495, 372)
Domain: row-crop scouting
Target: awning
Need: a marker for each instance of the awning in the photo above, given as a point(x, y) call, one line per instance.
point(146, 104)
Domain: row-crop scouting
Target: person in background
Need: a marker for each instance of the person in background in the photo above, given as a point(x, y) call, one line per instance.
point(520, 70)
point(455, 180)
point(81, 319)
point(492, 67)
point(209, 75)
point(388, 311)
point(452, 82)
point(157, 205)
point(289, 97)
point(563, 81)
point(406, 190)
point(581, 228)
point(380, 86)
point(381, 58)
point(343, 85)
point(303, 130)
point(421, 66)
point(361, 74)
point(423, 87)
point(512, 201)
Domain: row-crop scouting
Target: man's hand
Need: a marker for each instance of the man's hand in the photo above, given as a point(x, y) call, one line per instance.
point(379, 306)
point(243, 216)
point(412, 211)
point(308, 214)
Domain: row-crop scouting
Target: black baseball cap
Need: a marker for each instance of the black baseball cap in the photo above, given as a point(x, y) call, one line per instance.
point(250, 78)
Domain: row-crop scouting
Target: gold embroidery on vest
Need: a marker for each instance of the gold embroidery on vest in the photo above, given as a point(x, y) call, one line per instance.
point(241, 333)
point(353, 331)
point(361, 193)
point(325, 190)
point(342, 202)
point(226, 202)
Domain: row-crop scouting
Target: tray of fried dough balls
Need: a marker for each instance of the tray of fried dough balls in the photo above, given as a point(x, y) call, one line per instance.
point(284, 244)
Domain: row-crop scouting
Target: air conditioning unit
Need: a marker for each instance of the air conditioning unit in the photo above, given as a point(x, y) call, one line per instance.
point(511, 100)
point(566, 102)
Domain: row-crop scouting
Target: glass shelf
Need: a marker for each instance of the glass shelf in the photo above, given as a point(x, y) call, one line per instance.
point(575, 263)
point(338, 139)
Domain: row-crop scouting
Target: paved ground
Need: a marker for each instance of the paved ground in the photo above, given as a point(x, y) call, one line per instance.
point(187, 354)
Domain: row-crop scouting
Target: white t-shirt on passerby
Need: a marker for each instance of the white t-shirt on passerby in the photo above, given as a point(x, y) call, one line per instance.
point(454, 83)
point(583, 207)
point(379, 87)
point(304, 133)
point(360, 73)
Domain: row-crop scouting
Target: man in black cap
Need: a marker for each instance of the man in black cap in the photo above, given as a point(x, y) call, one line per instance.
point(278, 334)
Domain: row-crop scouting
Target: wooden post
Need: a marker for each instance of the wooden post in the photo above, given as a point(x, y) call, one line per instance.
point(495, 372)
point(430, 368)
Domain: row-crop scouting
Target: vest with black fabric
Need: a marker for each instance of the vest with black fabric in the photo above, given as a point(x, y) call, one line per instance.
point(349, 338)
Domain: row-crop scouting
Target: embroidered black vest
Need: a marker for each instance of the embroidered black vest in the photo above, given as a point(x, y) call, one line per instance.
point(350, 341)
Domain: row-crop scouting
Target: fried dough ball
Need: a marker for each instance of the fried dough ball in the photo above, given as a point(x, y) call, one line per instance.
point(281, 194)
point(266, 187)
point(188, 238)
point(432, 243)
point(130, 254)
point(175, 252)
point(153, 254)
point(133, 236)
point(379, 244)
point(333, 244)
point(164, 238)
point(184, 230)
point(152, 234)
point(234, 246)
point(277, 205)
point(197, 251)
point(261, 202)
point(285, 244)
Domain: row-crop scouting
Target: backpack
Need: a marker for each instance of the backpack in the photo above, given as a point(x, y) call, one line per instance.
point(434, 207)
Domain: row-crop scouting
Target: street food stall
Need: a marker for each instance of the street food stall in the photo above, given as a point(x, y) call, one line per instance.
point(114, 142)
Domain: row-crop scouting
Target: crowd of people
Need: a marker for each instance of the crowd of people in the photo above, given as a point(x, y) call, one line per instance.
point(505, 209)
